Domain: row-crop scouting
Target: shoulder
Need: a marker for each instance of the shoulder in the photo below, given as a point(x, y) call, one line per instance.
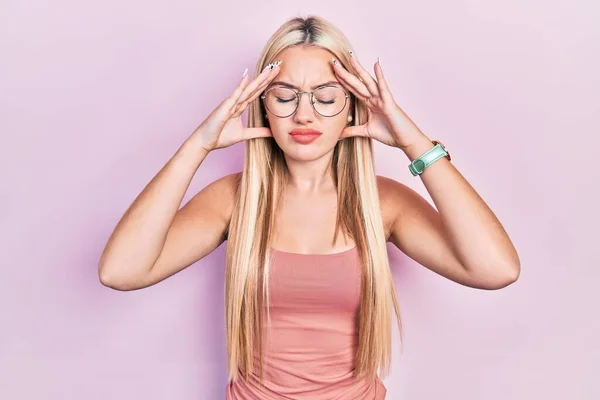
point(222, 188)
point(389, 188)
point(395, 200)
point(223, 191)
point(227, 185)
point(218, 196)
point(215, 202)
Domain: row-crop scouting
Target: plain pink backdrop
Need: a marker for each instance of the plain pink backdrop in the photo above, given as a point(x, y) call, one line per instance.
point(96, 96)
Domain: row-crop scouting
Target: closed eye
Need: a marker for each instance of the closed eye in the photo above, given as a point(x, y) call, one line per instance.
point(326, 101)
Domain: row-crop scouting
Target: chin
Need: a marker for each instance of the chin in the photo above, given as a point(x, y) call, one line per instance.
point(305, 151)
point(302, 152)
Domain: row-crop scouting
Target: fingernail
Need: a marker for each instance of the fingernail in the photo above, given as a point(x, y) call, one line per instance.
point(273, 65)
point(335, 61)
point(245, 72)
point(352, 54)
point(379, 61)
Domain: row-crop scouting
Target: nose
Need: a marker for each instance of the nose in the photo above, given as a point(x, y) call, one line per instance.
point(305, 112)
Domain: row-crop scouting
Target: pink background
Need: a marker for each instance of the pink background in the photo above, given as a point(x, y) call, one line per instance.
point(95, 97)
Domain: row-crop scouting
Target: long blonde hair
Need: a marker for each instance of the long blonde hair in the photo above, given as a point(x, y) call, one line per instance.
point(251, 228)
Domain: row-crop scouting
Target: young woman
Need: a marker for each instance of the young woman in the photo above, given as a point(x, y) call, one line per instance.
point(309, 293)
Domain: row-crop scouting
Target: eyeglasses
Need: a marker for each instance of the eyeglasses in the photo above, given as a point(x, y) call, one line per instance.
point(282, 101)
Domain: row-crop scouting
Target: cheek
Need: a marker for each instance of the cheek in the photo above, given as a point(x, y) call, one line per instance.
point(279, 128)
point(336, 125)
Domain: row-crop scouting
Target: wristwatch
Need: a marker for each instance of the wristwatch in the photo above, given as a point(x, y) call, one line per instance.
point(418, 165)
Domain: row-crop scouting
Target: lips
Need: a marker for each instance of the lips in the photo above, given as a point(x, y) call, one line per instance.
point(295, 132)
point(304, 136)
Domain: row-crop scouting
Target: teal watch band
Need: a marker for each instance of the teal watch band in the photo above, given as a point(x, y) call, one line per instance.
point(418, 165)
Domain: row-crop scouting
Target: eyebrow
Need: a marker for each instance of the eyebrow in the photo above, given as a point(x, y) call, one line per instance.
point(288, 85)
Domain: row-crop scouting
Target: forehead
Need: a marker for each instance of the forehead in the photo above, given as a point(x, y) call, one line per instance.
point(305, 66)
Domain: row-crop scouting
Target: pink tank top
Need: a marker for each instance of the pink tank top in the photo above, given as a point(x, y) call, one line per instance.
point(314, 301)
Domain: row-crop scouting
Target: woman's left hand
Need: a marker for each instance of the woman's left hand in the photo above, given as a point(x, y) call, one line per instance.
point(386, 123)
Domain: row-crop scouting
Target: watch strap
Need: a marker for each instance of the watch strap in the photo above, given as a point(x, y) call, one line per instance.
point(418, 165)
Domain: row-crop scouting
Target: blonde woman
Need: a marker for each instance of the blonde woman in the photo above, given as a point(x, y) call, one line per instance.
point(309, 299)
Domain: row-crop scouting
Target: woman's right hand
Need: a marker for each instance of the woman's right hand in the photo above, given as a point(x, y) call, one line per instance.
point(224, 127)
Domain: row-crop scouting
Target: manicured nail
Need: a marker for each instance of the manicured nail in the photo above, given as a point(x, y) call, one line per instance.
point(273, 64)
point(379, 61)
point(335, 62)
point(352, 54)
point(245, 72)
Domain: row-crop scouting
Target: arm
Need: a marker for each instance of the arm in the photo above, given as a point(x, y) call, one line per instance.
point(154, 240)
point(464, 241)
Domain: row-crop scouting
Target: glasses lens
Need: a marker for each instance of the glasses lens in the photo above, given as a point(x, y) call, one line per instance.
point(281, 101)
point(330, 100)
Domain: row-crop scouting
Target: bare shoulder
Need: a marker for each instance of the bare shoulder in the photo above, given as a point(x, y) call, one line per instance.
point(224, 188)
point(217, 198)
point(395, 200)
point(389, 187)
point(197, 229)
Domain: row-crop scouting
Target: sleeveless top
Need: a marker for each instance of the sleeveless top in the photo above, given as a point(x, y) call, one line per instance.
point(314, 299)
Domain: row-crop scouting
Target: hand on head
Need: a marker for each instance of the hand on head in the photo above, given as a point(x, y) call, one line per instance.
point(224, 126)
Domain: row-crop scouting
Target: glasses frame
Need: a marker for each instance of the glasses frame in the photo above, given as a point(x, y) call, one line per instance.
point(312, 99)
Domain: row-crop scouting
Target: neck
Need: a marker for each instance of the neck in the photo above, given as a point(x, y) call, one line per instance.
point(310, 176)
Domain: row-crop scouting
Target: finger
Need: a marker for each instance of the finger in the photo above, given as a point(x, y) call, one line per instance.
point(266, 74)
point(347, 85)
point(249, 96)
point(367, 79)
point(241, 105)
point(384, 90)
point(259, 89)
point(355, 85)
point(235, 95)
point(354, 130)
point(256, 132)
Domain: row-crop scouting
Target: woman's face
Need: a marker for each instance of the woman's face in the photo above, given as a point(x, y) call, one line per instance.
point(306, 69)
